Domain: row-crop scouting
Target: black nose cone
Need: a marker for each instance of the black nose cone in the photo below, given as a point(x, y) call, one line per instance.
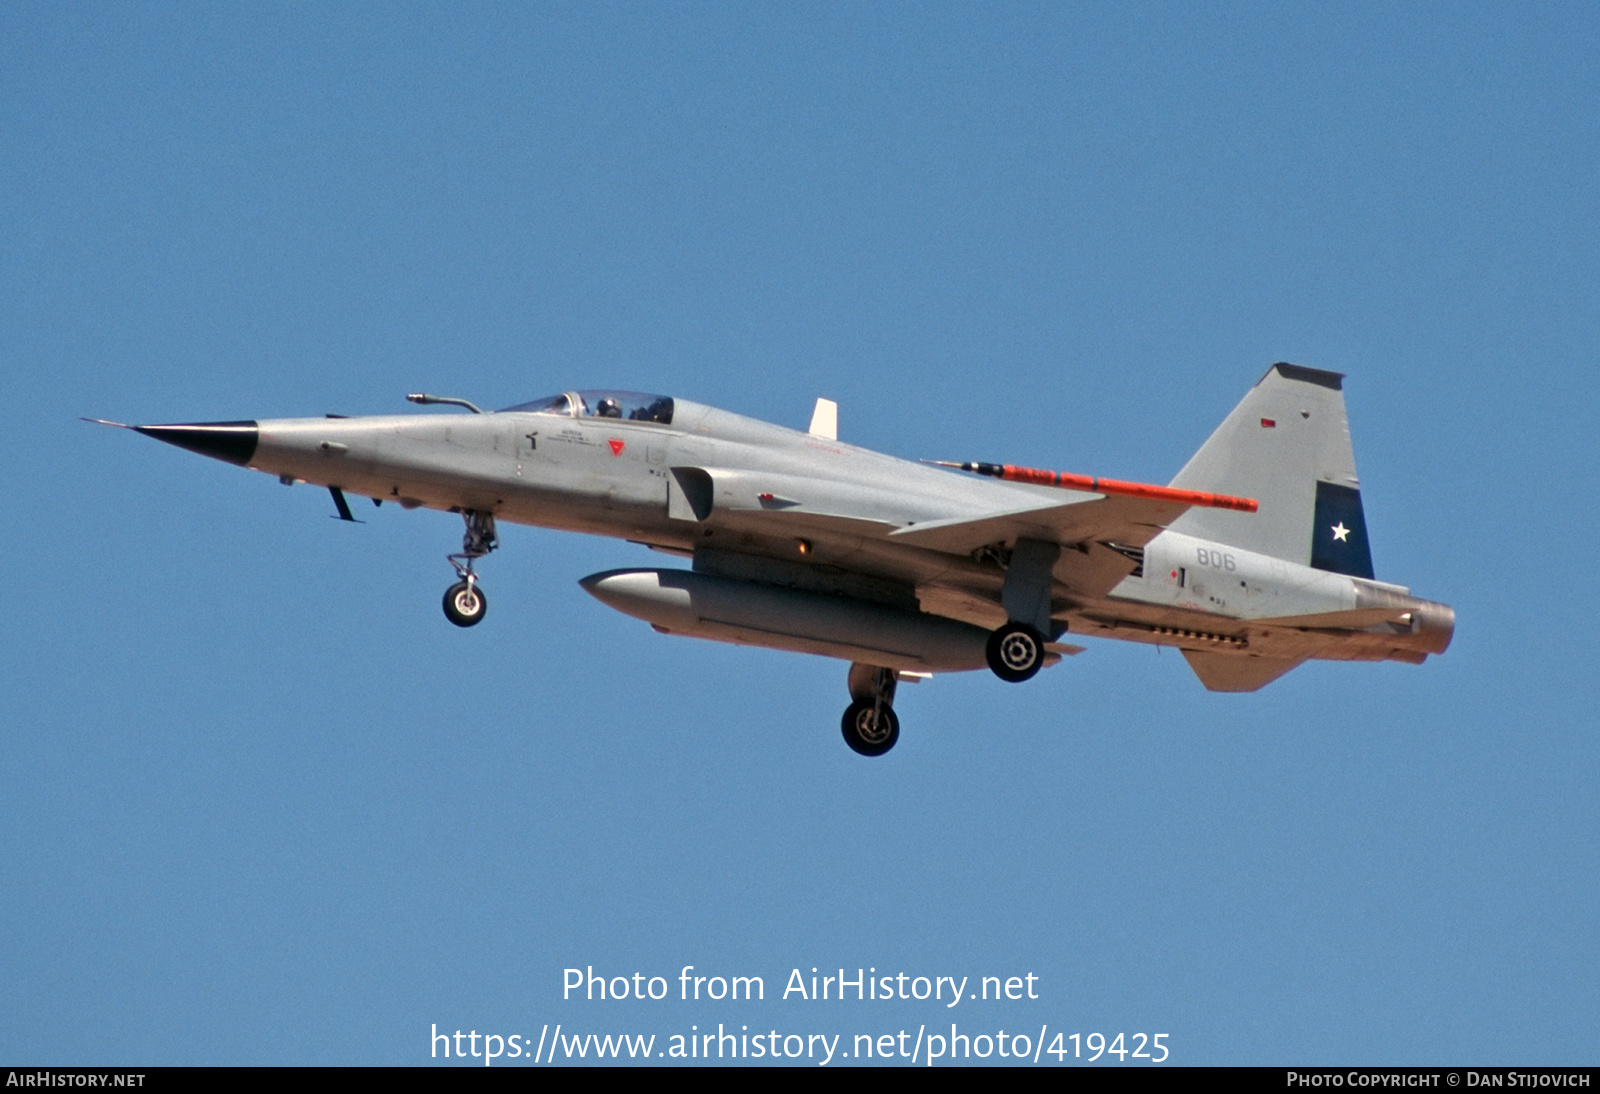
point(231, 441)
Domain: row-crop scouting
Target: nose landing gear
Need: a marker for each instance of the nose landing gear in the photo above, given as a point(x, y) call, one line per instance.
point(870, 730)
point(870, 725)
point(464, 602)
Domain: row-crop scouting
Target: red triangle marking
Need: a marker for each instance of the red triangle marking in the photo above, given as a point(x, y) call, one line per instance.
point(616, 446)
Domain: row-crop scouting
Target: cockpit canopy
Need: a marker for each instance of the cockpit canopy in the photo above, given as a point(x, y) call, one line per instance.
point(629, 405)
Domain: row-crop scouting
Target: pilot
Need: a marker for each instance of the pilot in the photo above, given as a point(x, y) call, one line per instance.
point(608, 408)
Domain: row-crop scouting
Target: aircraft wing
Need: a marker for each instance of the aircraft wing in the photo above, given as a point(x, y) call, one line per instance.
point(1103, 536)
point(1130, 522)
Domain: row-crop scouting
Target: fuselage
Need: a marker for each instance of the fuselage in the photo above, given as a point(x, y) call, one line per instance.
point(756, 501)
point(1253, 560)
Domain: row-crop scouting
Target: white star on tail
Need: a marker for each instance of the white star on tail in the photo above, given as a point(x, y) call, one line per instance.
point(1340, 532)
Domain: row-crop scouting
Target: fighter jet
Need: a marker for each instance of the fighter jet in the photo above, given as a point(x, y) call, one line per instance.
point(1254, 559)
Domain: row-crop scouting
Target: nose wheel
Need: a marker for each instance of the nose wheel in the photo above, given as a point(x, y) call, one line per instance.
point(870, 724)
point(464, 602)
point(870, 729)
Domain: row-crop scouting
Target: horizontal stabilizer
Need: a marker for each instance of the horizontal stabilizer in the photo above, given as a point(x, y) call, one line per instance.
point(1236, 671)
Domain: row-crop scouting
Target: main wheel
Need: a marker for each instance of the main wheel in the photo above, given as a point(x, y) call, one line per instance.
point(464, 604)
point(1015, 652)
point(870, 731)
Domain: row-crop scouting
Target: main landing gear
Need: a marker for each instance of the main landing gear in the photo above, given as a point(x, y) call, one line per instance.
point(1015, 652)
point(870, 725)
point(464, 602)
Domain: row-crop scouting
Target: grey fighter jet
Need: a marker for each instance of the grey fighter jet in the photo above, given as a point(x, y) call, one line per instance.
point(1252, 560)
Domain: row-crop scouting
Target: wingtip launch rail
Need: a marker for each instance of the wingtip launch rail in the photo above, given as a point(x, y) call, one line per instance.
point(1095, 485)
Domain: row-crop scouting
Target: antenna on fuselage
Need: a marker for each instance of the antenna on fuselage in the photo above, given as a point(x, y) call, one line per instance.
point(825, 420)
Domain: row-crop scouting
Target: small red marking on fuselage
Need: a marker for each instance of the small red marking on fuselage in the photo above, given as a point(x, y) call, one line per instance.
point(1268, 423)
point(616, 446)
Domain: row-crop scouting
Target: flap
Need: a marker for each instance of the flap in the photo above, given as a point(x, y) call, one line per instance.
point(1092, 570)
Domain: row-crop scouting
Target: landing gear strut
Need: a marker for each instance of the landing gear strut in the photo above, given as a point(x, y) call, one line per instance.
point(870, 725)
point(464, 602)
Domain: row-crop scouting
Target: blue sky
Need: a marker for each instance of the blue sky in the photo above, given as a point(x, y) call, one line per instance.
point(261, 803)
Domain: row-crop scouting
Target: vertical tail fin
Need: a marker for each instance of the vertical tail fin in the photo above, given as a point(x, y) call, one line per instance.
point(1287, 444)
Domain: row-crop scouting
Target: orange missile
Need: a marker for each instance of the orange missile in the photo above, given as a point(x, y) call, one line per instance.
point(1094, 485)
